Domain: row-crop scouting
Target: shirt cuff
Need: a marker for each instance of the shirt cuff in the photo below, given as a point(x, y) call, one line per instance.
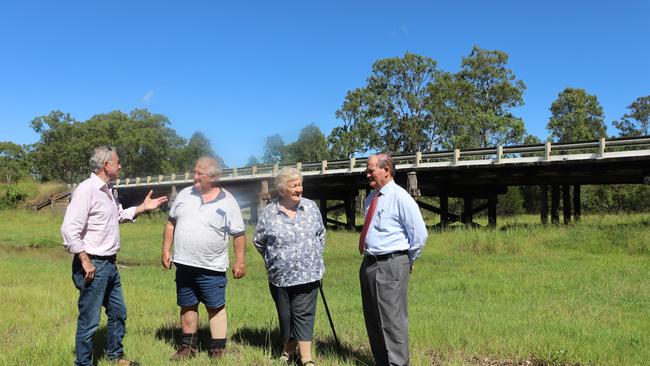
point(414, 254)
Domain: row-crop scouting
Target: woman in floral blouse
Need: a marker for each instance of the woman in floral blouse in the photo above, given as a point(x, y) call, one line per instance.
point(290, 235)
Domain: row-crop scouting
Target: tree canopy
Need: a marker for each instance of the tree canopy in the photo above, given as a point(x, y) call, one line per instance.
point(311, 145)
point(637, 121)
point(13, 162)
point(145, 142)
point(576, 116)
point(409, 105)
point(472, 107)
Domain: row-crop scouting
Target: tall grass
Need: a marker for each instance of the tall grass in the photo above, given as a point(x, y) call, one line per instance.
point(523, 292)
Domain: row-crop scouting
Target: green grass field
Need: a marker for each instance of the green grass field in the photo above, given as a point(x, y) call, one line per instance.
point(522, 293)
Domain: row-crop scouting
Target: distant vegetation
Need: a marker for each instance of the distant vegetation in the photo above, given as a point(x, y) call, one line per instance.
point(407, 104)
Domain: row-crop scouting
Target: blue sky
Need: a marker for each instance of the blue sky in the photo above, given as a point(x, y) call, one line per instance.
point(242, 71)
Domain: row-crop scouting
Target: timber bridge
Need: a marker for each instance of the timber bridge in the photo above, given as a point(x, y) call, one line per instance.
point(476, 176)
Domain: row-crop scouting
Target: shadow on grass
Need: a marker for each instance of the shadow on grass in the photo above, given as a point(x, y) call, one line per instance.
point(266, 338)
point(174, 336)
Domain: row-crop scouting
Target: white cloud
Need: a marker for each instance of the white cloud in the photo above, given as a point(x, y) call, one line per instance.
point(401, 31)
point(148, 97)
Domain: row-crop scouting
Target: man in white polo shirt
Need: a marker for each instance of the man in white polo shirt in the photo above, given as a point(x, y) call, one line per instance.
point(201, 220)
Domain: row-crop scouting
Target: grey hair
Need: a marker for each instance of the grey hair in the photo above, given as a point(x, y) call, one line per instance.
point(385, 160)
point(285, 175)
point(213, 169)
point(101, 155)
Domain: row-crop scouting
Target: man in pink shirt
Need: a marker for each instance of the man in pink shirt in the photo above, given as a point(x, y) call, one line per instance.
point(91, 232)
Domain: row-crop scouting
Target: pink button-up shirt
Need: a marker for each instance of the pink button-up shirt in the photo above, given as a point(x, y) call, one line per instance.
point(91, 222)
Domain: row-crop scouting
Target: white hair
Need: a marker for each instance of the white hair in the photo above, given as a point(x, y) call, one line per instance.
point(213, 170)
point(101, 155)
point(286, 175)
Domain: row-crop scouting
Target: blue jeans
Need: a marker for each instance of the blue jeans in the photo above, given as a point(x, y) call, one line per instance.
point(104, 290)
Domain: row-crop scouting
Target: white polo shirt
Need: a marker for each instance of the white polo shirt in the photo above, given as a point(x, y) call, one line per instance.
point(202, 228)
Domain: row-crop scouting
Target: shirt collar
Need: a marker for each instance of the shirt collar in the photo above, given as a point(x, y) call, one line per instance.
point(388, 187)
point(301, 204)
point(97, 182)
point(221, 195)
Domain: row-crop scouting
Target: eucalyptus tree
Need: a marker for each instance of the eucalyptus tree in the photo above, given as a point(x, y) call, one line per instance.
point(637, 121)
point(576, 116)
point(62, 151)
point(389, 113)
point(310, 146)
point(13, 162)
point(357, 133)
point(274, 149)
point(472, 108)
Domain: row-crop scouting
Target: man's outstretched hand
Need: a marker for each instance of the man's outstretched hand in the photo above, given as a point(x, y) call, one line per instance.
point(150, 203)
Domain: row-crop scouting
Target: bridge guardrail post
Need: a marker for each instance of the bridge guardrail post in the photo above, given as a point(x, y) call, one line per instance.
point(499, 154)
point(234, 172)
point(254, 170)
point(160, 178)
point(418, 158)
point(456, 156)
point(275, 169)
point(299, 166)
point(601, 147)
point(353, 162)
point(547, 151)
point(323, 166)
point(187, 175)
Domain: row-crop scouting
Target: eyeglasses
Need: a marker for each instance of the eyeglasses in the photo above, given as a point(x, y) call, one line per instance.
point(109, 149)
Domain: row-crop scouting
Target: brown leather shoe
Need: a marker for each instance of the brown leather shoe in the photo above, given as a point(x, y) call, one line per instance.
point(217, 352)
point(184, 353)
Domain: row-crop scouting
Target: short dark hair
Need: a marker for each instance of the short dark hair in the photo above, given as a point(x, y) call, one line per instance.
point(385, 160)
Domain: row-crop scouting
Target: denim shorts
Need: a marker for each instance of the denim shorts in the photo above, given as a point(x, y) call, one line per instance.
point(194, 285)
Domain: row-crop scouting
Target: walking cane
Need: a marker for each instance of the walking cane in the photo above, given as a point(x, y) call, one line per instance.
point(329, 316)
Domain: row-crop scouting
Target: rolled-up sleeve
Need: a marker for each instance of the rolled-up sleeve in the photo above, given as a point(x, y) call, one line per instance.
point(126, 215)
point(75, 220)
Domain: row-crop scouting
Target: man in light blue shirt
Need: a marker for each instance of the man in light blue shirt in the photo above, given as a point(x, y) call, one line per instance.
point(392, 239)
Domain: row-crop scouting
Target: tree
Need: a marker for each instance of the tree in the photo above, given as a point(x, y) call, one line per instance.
point(13, 162)
point(311, 146)
point(471, 108)
point(357, 134)
point(62, 151)
point(391, 107)
point(253, 160)
point(274, 149)
point(143, 140)
point(197, 146)
point(637, 121)
point(145, 143)
point(576, 116)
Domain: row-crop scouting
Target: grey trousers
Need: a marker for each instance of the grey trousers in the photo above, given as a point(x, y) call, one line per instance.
point(384, 294)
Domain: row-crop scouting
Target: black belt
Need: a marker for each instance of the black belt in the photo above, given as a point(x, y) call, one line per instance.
point(110, 258)
point(383, 257)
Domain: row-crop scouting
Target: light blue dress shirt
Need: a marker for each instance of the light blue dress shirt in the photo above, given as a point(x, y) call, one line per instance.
point(397, 223)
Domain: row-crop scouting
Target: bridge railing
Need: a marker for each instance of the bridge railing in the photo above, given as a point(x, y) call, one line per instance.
point(603, 148)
